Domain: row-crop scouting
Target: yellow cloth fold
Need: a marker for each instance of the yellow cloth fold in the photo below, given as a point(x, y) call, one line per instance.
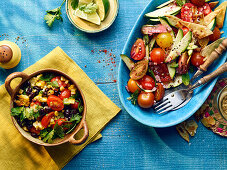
point(16, 152)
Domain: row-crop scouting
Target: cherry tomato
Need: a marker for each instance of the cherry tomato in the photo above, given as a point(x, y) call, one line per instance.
point(138, 50)
point(146, 100)
point(60, 83)
point(187, 12)
point(157, 55)
point(33, 130)
point(160, 92)
point(185, 30)
point(35, 103)
point(197, 59)
point(132, 86)
point(147, 82)
point(216, 34)
point(205, 9)
point(59, 122)
point(66, 93)
point(46, 119)
point(198, 2)
point(164, 40)
point(75, 105)
point(161, 72)
point(55, 103)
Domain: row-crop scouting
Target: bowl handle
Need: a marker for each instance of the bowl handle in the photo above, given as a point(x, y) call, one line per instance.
point(85, 136)
point(11, 77)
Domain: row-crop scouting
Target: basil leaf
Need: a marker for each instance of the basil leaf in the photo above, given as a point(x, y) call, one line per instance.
point(186, 79)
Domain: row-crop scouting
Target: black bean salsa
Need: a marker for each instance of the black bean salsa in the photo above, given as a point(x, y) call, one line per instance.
point(48, 106)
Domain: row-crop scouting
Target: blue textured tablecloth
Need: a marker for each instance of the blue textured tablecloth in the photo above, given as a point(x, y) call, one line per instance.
point(126, 143)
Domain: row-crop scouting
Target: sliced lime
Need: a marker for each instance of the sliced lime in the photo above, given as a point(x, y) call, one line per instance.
point(103, 9)
point(93, 17)
point(85, 2)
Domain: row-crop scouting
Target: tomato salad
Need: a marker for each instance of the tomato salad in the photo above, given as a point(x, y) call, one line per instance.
point(177, 39)
point(48, 106)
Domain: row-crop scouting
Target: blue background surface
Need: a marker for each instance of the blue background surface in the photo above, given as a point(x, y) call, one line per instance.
point(126, 143)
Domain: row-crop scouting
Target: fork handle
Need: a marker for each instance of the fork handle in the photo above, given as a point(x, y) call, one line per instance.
point(219, 71)
point(214, 55)
point(204, 80)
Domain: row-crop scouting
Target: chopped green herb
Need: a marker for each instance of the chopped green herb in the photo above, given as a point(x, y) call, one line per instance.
point(47, 77)
point(59, 131)
point(49, 137)
point(53, 83)
point(74, 4)
point(174, 65)
point(134, 97)
point(221, 126)
point(52, 15)
point(180, 2)
point(89, 8)
point(17, 111)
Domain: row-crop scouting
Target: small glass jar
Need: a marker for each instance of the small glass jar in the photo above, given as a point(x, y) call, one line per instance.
point(222, 102)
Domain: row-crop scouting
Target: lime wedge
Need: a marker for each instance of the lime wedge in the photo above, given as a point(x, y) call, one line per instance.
point(103, 9)
point(93, 17)
point(85, 2)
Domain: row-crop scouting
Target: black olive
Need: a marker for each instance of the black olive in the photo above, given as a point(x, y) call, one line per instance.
point(28, 90)
point(56, 93)
point(47, 109)
point(45, 93)
point(74, 111)
point(32, 95)
point(34, 135)
point(43, 104)
point(46, 90)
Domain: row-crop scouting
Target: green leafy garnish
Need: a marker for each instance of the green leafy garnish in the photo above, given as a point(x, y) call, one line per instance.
point(59, 131)
point(146, 39)
point(47, 77)
point(89, 8)
point(186, 79)
point(53, 14)
point(180, 2)
point(53, 84)
point(17, 111)
point(134, 97)
point(74, 4)
point(49, 137)
point(44, 132)
point(76, 118)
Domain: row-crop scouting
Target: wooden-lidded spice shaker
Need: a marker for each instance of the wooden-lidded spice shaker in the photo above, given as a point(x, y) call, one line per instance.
point(10, 54)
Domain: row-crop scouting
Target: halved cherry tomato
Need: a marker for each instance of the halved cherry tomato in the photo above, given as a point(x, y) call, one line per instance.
point(46, 119)
point(157, 55)
point(35, 103)
point(205, 9)
point(132, 86)
point(59, 122)
point(33, 130)
point(138, 50)
point(58, 79)
point(216, 34)
point(75, 105)
point(187, 12)
point(185, 30)
point(66, 93)
point(164, 40)
point(197, 59)
point(146, 100)
point(160, 92)
point(147, 82)
point(55, 103)
point(198, 2)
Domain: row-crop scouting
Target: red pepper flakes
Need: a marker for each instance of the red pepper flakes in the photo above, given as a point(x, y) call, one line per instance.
point(114, 81)
point(99, 61)
point(92, 51)
point(85, 66)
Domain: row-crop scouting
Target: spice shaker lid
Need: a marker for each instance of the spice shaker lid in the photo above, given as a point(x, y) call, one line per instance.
point(6, 54)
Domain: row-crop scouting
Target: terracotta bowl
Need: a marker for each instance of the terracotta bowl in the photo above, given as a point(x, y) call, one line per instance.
point(69, 137)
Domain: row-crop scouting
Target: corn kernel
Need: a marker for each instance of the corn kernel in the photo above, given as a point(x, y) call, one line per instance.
point(25, 128)
point(39, 137)
point(21, 91)
point(63, 78)
point(50, 92)
point(56, 113)
point(67, 81)
point(62, 88)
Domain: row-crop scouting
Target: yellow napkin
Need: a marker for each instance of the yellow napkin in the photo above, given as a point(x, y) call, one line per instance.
point(16, 152)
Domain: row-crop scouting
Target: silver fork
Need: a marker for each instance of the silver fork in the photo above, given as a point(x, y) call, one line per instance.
point(174, 99)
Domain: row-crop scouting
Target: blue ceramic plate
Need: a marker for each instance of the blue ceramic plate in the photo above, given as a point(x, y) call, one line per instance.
point(147, 116)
